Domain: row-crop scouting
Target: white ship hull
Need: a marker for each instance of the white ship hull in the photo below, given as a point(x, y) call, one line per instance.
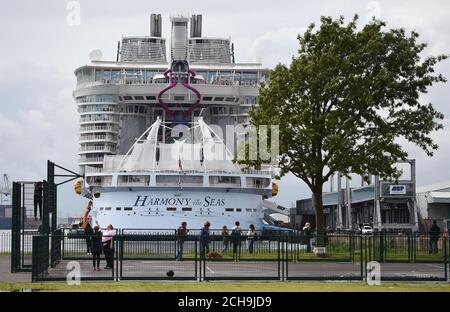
point(166, 209)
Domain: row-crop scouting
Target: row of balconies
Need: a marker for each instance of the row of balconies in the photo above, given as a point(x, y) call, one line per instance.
point(151, 81)
point(98, 128)
point(110, 118)
point(98, 109)
point(84, 160)
point(97, 148)
point(175, 180)
point(94, 137)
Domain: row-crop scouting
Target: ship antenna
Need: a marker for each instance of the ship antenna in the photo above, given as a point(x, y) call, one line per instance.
point(118, 51)
point(232, 53)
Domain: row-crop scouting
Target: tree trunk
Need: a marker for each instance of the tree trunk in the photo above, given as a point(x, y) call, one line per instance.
point(320, 221)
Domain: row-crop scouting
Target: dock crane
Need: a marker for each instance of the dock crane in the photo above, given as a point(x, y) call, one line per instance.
point(5, 188)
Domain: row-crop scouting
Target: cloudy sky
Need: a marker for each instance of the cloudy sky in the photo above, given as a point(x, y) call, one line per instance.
point(43, 42)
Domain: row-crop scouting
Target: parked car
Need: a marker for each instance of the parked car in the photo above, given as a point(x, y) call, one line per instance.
point(75, 231)
point(366, 229)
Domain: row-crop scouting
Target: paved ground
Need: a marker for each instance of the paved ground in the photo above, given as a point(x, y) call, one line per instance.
point(227, 269)
point(5, 272)
point(220, 269)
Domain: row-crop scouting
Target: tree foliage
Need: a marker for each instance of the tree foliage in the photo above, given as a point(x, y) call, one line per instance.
point(346, 99)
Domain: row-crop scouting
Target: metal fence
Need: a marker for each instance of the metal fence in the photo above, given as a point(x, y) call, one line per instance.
point(5, 243)
point(153, 255)
point(40, 257)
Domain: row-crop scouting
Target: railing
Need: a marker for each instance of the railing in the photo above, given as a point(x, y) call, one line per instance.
point(228, 185)
point(87, 148)
point(5, 243)
point(185, 184)
point(97, 137)
point(279, 255)
point(103, 118)
point(197, 172)
point(86, 128)
point(90, 159)
point(223, 82)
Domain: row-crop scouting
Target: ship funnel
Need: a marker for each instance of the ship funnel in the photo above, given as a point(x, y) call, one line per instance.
point(196, 26)
point(155, 25)
point(179, 46)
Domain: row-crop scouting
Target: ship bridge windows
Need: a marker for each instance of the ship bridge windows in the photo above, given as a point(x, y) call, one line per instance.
point(207, 98)
point(225, 181)
point(84, 75)
point(222, 111)
point(175, 180)
point(258, 182)
point(99, 180)
point(136, 109)
point(116, 75)
point(250, 100)
point(95, 98)
point(88, 108)
point(99, 118)
point(133, 180)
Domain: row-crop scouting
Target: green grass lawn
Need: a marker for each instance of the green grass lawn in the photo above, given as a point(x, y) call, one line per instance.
point(227, 286)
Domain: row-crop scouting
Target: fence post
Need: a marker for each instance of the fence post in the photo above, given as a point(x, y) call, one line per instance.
point(35, 259)
point(121, 254)
point(381, 247)
point(361, 257)
point(16, 225)
point(116, 256)
point(286, 266)
point(203, 255)
point(366, 251)
point(350, 247)
point(196, 262)
point(280, 264)
point(444, 242)
point(409, 247)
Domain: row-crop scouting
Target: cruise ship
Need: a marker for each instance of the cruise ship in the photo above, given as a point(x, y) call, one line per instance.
point(129, 108)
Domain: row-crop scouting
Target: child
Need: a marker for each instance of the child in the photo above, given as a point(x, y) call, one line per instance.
point(96, 247)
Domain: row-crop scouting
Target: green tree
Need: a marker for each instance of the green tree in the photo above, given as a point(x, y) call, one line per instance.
point(345, 100)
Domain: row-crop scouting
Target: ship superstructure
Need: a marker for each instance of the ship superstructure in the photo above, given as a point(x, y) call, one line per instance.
point(118, 100)
point(149, 174)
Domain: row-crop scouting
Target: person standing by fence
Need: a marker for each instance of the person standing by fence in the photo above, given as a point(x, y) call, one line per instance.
point(181, 237)
point(435, 232)
point(251, 237)
point(88, 232)
point(204, 239)
point(108, 247)
point(236, 237)
point(307, 232)
point(225, 238)
point(96, 247)
point(37, 199)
